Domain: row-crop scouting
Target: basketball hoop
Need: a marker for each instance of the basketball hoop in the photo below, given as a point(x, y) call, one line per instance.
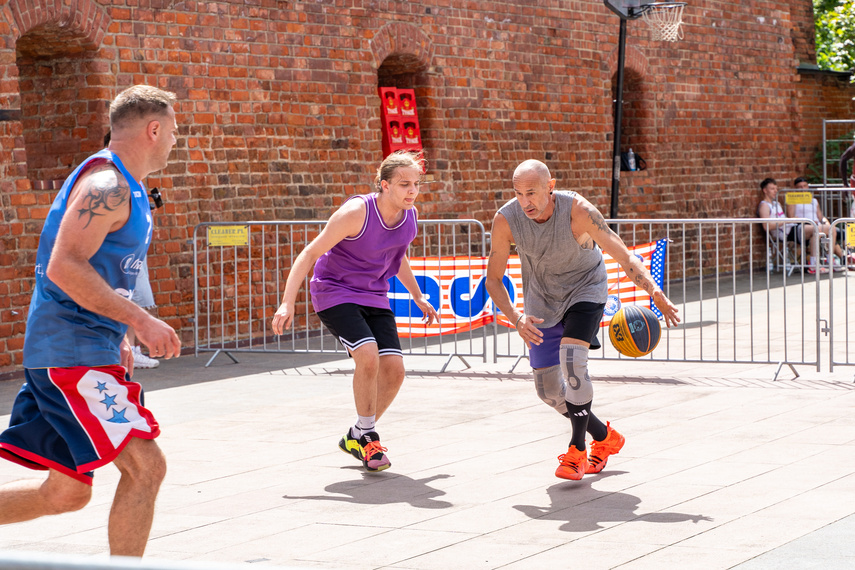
point(665, 20)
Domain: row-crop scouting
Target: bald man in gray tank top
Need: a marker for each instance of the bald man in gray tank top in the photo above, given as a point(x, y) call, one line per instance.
point(559, 237)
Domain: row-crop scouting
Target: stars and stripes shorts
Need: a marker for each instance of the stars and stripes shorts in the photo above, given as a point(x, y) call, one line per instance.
point(75, 420)
point(354, 325)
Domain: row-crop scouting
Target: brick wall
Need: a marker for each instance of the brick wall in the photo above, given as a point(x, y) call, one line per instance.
point(280, 118)
point(804, 34)
point(821, 96)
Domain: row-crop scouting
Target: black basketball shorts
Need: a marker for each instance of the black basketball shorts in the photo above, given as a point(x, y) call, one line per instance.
point(355, 325)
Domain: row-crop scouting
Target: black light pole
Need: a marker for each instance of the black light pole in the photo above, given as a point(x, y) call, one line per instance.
point(613, 212)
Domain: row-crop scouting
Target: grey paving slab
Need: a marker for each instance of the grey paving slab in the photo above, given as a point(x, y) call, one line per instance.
point(829, 547)
point(723, 467)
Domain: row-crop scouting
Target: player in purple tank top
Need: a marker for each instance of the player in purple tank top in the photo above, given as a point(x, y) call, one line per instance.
point(362, 246)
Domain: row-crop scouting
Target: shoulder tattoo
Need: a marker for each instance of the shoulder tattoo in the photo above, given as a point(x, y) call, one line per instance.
point(99, 197)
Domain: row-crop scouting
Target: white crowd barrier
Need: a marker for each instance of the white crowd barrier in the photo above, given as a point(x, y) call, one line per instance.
point(240, 271)
point(735, 306)
point(841, 302)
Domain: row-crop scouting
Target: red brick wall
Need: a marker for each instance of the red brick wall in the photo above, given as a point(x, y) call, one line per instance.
point(821, 96)
point(280, 118)
point(803, 35)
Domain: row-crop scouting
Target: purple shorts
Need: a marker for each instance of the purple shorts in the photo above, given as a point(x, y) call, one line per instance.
point(581, 321)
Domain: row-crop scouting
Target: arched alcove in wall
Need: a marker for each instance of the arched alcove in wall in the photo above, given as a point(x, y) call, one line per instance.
point(637, 125)
point(401, 53)
point(64, 87)
point(638, 117)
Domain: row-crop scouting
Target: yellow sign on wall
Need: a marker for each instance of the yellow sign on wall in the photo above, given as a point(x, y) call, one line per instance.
point(850, 235)
point(799, 198)
point(228, 235)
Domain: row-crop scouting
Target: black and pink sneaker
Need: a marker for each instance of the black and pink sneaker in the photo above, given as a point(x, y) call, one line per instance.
point(373, 454)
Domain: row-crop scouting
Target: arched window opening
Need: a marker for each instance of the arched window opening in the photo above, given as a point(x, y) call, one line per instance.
point(399, 70)
point(637, 128)
point(65, 94)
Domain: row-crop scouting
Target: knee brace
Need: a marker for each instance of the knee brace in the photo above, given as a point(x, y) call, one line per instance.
point(574, 369)
point(550, 388)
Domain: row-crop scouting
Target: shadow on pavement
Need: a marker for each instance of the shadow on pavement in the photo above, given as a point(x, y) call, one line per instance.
point(574, 504)
point(381, 489)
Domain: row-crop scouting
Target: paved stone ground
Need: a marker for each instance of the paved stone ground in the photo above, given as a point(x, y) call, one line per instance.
point(722, 468)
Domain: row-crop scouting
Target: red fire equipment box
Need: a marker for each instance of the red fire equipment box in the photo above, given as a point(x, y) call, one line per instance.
point(400, 120)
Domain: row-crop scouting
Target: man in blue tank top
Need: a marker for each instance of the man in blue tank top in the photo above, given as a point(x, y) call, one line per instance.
point(78, 409)
point(558, 236)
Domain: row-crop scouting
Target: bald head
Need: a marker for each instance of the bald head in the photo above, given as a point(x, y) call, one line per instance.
point(532, 171)
point(533, 190)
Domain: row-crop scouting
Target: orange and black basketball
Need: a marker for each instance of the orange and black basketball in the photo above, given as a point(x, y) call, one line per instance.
point(634, 331)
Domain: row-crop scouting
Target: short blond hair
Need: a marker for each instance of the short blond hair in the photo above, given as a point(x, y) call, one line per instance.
point(396, 160)
point(139, 102)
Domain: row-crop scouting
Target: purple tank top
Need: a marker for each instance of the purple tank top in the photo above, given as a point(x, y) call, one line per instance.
point(357, 270)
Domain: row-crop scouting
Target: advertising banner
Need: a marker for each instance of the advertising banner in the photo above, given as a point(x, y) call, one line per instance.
point(456, 287)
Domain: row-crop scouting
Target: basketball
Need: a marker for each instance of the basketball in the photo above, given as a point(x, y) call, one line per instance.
point(634, 331)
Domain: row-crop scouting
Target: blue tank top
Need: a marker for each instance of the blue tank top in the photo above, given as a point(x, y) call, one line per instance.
point(60, 332)
point(357, 270)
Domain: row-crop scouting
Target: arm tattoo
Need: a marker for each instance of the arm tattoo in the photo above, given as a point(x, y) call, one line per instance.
point(100, 197)
point(639, 279)
point(598, 220)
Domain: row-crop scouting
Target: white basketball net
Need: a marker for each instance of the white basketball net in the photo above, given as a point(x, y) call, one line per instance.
point(665, 20)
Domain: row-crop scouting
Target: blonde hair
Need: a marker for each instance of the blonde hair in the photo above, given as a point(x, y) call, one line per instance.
point(139, 102)
point(396, 160)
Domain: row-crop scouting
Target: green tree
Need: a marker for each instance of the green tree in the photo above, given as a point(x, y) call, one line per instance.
point(835, 34)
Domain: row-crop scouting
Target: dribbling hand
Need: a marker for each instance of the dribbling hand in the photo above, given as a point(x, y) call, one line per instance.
point(667, 308)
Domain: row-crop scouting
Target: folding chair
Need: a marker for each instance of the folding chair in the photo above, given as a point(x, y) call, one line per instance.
point(781, 254)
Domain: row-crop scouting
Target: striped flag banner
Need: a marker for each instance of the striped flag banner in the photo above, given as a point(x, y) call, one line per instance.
point(456, 287)
point(622, 291)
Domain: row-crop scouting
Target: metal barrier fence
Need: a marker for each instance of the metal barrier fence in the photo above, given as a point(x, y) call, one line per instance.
point(239, 274)
point(841, 298)
point(835, 200)
point(837, 136)
point(736, 305)
point(734, 308)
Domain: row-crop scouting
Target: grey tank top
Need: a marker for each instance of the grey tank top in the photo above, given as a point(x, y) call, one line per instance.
point(556, 272)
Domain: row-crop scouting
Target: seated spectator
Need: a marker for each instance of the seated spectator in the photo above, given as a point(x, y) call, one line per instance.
point(780, 231)
point(813, 212)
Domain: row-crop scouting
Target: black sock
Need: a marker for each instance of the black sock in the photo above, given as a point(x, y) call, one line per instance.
point(596, 428)
point(579, 416)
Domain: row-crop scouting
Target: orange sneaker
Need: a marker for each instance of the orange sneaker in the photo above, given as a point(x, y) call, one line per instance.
point(573, 464)
point(600, 450)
